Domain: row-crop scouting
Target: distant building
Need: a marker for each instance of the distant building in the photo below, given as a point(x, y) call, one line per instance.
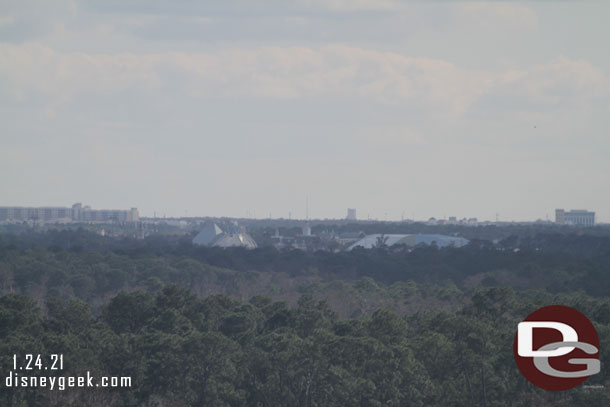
point(77, 213)
point(578, 217)
point(351, 214)
point(281, 242)
point(560, 216)
point(213, 236)
point(371, 241)
point(208, 235)
point(239, 239)
point(349, 237)
point(304, 241)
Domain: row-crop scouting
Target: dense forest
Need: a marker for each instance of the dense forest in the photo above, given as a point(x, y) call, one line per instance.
point(184, 350)
point(197, 326)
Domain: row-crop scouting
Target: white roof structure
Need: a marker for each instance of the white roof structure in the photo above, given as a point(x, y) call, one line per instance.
point(208, 235)
point(236, 240)
point(212, 235)
point(371, 241)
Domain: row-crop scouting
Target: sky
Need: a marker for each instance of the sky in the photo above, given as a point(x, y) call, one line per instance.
point(237, 108)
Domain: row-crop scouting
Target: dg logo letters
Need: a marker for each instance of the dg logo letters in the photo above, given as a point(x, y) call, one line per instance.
point(556, 348)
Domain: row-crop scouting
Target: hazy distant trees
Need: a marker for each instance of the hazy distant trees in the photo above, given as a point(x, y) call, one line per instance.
point(93, 269)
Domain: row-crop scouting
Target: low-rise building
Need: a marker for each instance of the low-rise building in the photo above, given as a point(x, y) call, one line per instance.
point(577, 217)
point(380, 240)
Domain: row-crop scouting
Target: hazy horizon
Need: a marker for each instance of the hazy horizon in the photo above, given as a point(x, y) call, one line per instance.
point(404, 108)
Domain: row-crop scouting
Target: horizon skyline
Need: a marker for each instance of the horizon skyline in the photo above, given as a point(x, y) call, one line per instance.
point(249, 214)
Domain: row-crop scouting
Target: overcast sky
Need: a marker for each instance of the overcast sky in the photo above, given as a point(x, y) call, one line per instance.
point(396, 108)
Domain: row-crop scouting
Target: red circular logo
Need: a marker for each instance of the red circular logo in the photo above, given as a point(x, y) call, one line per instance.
point(556, 348)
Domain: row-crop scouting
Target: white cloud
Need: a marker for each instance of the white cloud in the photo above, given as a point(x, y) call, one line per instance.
point(267, 72)
point(288, 73)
